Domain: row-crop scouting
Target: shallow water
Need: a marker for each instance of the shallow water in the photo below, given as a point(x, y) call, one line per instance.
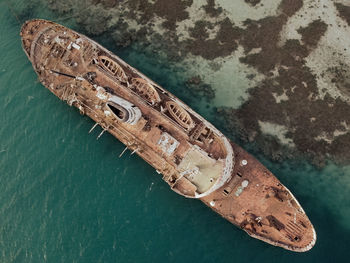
point(66, 197)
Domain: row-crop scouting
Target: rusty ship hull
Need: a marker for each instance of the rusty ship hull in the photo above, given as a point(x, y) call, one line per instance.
point(194, 158)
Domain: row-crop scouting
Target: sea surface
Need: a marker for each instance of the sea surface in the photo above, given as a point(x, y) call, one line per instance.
point(67, 197)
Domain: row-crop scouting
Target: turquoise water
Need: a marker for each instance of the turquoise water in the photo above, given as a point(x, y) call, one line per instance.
point(67, 197)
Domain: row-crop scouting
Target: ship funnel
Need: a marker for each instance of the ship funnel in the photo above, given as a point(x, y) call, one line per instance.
point(124, 110)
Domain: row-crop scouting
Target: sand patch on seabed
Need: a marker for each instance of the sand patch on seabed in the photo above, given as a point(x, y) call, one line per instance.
point(239, 11)
point(229, 79)
point(278, 131)
point(333, 48)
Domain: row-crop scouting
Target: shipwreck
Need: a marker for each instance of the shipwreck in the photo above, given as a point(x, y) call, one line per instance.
point(195, 159)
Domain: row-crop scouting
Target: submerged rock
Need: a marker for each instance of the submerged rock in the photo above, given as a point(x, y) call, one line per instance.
point(200, 89)
point(344, 12)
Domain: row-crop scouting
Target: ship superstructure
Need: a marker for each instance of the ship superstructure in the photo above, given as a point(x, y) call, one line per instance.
point(194, 158)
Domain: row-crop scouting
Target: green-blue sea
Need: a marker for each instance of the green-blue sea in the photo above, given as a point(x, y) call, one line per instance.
point(67, 197)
